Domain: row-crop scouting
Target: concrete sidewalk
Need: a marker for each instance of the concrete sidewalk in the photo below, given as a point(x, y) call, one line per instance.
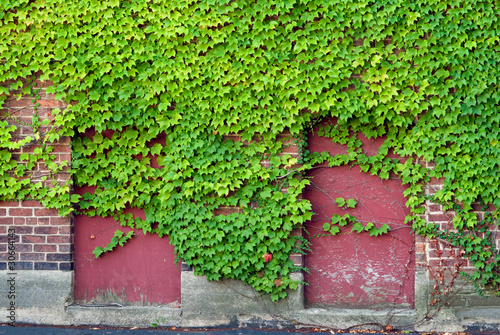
point(39, 330)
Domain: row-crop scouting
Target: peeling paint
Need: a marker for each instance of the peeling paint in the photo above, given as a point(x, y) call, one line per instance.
point(357, 270)
point(143, 273)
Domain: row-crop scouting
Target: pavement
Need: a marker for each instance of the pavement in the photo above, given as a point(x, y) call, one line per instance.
point(82, 330)
point(52, 330)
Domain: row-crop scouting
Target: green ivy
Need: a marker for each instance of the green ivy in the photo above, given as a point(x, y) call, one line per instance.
point(155, 88)
point(338, 222)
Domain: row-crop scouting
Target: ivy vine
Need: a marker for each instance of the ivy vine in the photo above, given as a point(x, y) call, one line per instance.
point(176, 107)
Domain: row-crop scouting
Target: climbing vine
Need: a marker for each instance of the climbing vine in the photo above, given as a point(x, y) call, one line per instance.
point(175, 107)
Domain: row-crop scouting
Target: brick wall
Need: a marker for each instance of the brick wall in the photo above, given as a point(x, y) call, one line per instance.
point(43, 239)
point(290, 148)
point(440, 259)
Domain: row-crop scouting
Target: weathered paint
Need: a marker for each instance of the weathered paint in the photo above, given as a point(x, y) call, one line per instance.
point(357, 270)
point(143, 272)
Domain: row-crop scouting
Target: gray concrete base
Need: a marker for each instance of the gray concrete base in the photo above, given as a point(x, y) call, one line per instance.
point(230, 302)
point(129, 316)
point(39, 297)
point(356, 318)
point(46, 297)
point(464, 310)
point(460, 320)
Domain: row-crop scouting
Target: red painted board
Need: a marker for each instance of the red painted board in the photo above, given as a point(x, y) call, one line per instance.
point(356, 270)
point(142, 272)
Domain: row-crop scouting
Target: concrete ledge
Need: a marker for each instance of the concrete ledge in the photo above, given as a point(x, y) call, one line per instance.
point(231, 302)
point(46, 297)
point(345, 318)
point(466, 310)
point(40, 296)
point(130, 316)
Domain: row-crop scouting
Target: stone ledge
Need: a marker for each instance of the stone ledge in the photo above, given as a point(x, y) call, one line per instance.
point(130, 316)
point(345, 318)
point(40, 296)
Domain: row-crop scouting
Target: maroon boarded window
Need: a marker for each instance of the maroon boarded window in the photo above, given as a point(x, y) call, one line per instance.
point(142, 272)
point(351, 269)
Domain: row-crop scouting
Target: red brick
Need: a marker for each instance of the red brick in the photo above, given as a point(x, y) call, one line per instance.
point(44, 248)
point(59, 257)
point(20, 212)
point(61, 148)
point(9, 203)
point(5, 256)
point(433, 244)
point(33, 239)
point(43, 221)
point(434, 263)
point(25, 119)
point(420, 258)
point(291, 148)
point(435, 208)
point(32, 257)
point(24, 247)
point(31, 148)
point(46, 230)
point(66, 248)
point(3, 211)
point(64, 157)
point(445, 253)
point(435, 181)
point(44, 84)
point(439, 217)
point(60, 221)
point(32, 221)
point(48, 103)
point(296, 259)
point(65, 140)
point(5, 239)
point(3, 229)
point(41, 167)
point(24, 230)
point(6, 221)
point(14, 103)
point(65, 230)
point(31, 203)
point(19, 221)
point(46, 212)
point(59, 239)
point(419, 239)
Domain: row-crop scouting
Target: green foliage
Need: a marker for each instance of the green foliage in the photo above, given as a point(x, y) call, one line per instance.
point(120, 239)
point(338, 221)
point(162, 83)
point(19, 176)
point(477, 242)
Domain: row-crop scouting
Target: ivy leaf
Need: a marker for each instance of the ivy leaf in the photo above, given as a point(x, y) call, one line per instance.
point(357, 227)
point(351, 203)
point(383, 230)
point(336, 218)
point(340, 202)
point(97, 252)
point(334, 230)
